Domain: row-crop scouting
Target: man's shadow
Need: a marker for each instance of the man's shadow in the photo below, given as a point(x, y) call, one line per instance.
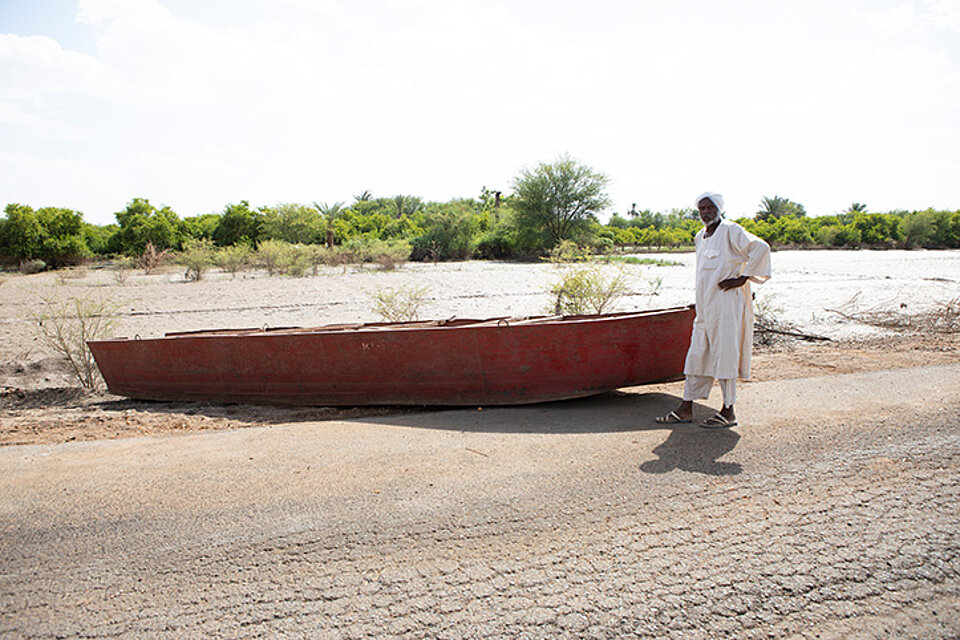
point(691, 448)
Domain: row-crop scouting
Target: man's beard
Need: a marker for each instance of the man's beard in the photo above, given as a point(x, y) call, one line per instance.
point(709, 221)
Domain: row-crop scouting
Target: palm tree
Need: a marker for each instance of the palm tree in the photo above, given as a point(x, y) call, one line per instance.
point(364, 197)
point(406, 204)
point(328, 210)
point(777, 207)
point(857, 207)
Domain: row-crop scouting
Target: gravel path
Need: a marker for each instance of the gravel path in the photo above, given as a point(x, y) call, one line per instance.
point(831, 512)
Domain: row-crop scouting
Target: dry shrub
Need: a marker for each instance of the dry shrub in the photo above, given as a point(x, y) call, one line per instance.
point(769, 326)
point(944, 318)
point(121, 268)
point(66, 275)
point(29, 267)
point(66, 326)
point(399, 305)
point(389, 256)
point(152, 261)
point(333, 256)
point(386, 255)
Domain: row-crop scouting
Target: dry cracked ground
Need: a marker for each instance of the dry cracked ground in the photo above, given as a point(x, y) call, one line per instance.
point(832, 511)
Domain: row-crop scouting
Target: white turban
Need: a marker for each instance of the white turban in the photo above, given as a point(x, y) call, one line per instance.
point(715, 198)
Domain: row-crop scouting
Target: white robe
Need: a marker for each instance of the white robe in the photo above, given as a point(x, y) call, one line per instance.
point(723, 329)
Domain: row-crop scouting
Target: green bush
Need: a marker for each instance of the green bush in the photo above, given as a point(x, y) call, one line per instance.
point(271, 255)
point(448, 236)
point(234, 258)
point(568, 251)
point(197, 257)
point(297, 260)
point(399, 305)
point(586, 290)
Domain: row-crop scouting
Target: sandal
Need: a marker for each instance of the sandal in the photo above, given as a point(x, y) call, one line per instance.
point(718, 422)
point(673, 418)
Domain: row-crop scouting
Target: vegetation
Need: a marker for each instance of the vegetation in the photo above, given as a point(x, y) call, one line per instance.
point(197, 256)
point(399, 305)
point(234, 258)
point(558, 201)
point(51, 234)
point(584, 290)
point(151, 260)
point(552, 204)
point(943, 317)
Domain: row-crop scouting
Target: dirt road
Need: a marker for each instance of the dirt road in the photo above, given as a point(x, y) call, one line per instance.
point(832, 511)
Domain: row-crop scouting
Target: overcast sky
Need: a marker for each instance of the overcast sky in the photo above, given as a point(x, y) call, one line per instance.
point(201, 103)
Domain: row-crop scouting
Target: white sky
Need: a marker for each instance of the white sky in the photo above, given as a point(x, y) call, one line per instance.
point(200, 103)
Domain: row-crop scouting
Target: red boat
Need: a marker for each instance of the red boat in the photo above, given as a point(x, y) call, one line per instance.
point(449, 362)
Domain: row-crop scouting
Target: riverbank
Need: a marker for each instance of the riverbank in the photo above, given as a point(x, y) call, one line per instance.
point(49, 415)
point(38, 403)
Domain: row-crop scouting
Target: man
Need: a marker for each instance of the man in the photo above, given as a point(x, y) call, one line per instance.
point(728, 258)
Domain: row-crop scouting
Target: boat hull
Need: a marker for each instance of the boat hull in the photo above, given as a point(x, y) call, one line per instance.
point(493, 362)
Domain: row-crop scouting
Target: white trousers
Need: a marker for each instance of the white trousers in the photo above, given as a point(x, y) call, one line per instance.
point(698, 388)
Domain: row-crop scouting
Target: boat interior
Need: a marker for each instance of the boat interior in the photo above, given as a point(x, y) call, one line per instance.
point(504, 321)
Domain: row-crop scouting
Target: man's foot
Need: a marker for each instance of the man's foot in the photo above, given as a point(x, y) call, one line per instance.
point(719, 421)
point(674, 418)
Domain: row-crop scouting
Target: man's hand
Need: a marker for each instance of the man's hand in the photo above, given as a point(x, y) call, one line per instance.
point(733, 283)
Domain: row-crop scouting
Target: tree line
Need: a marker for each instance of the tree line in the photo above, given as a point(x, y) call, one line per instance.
point(550, 203)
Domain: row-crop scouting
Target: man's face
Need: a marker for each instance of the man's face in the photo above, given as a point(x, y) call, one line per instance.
point(708, 211)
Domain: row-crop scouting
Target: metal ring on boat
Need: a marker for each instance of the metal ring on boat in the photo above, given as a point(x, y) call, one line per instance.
point(503, 322)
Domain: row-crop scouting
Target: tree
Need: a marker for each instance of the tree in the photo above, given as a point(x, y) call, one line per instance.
point(21, 233)
point(857, 207)
point(777, 207)
point(331, 210)
point(792, 231)
point(238, 224)
point(142, 223)
point(98, 237)
point(406, 205)
point(200, 227)
point(52, 234)
point(62, 241)
point(293, 223)
point(556, 200)
point(448, 234)
point(876, 229)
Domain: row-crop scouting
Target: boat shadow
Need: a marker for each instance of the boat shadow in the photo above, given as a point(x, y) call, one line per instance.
point(687, 447)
